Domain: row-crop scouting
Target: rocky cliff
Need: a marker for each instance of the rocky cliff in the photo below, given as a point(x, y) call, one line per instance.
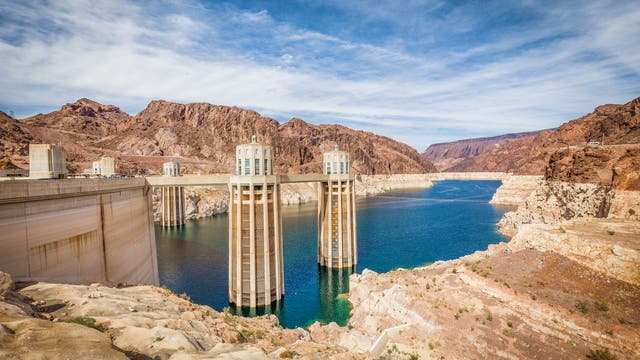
point(608, 124)
point(579, 182)
point(617, 166)
point(555, 201)
point(201, 136)
point(515, 190)
point(14, 143)
point(446, 155)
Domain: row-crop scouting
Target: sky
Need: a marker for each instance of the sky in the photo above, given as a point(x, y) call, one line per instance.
point(421, 72)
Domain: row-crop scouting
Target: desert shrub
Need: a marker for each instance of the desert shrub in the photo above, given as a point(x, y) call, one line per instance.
point(602, 306)
point(582, 307)
point(601, 355)
point(83, 320)
point(185, 296)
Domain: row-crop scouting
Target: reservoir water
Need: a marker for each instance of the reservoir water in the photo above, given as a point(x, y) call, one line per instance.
point(397, 229)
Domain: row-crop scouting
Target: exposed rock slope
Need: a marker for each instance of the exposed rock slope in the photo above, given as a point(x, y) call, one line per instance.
point(502, 303)
point(617, 166)
point(552, 202)
point(610, 124)
point(446, 155)
point(14, 143)
point(202, 137)
point(515, 190)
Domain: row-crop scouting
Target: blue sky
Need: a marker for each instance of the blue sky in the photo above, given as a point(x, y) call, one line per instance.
point(420, 72)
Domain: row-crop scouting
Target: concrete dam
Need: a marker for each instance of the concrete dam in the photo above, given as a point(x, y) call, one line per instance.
point(78, 231)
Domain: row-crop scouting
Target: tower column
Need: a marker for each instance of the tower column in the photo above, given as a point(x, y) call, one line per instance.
point(255, 240)
point(172, 203)
point(336, 214)
point(349, 232)
point(252, 246)
point(265, 245)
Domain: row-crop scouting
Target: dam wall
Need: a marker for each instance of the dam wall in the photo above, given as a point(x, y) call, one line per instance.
point(78, 231)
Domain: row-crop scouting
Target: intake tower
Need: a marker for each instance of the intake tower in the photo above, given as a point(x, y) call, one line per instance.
point(172, 198)
point(337, 243)
point(255, 237)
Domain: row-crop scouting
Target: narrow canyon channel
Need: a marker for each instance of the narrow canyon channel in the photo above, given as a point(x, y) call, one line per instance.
point(401, 229)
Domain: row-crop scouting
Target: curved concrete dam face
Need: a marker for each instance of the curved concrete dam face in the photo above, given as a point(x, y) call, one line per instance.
point(78, 231)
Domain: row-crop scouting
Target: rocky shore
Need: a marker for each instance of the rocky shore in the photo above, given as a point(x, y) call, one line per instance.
point(555, 201)
point(567, 285)
point(56, 321)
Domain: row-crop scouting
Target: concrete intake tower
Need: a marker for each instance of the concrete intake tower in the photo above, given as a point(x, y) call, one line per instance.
point(172, 198)
point(337, 243)
point(255, 237)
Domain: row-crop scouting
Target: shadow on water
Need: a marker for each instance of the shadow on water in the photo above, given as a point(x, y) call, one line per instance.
point(405, 229)
point(333, 287)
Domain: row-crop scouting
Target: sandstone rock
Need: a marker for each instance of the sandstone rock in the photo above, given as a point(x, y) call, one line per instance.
point(552, 202)
point(605, 245)
point(617, 166)
point(515, 190)
point(625, 205)
point(6, 284)
point(31, 338)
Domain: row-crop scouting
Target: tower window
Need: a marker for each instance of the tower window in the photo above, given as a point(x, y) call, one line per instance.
point(257, 169)
point(247, 166)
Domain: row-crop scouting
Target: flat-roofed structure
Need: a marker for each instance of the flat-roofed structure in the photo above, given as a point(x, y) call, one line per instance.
point(47, 161)
point(106, 166)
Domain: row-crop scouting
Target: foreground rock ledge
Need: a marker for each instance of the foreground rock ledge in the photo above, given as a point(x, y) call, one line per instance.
point(56, 321)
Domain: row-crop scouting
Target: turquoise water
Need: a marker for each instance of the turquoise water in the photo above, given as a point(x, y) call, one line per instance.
point(399, 229)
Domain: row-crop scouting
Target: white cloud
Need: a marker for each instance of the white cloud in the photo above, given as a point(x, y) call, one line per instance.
point(126, 54)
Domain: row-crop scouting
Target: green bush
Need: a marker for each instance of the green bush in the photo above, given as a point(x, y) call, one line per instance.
point(582, 307)
point(602, 306)
point(601, 355)
point(83, 320)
